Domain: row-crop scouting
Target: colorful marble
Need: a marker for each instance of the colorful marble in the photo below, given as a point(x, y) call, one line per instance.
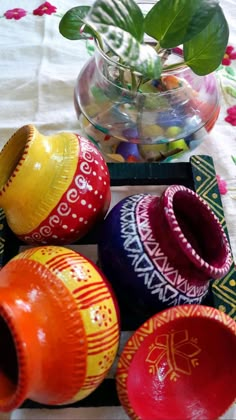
point(173, 131)
point(153, 151)
point(169, 118)
point(129, 151)
point(153, 131)
point(130, 133)
point(171, 82)
point(179, 146)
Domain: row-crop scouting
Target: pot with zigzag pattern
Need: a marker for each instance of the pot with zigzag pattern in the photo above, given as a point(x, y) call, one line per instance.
point(59, 327)
point(54, 188)
point(161, 252)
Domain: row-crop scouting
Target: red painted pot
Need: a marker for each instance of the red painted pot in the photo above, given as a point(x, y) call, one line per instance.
point(53, 189)
point(180, 364)
point(59, 327)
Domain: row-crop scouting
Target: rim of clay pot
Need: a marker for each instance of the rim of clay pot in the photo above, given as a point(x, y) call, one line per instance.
point(24, 136)
point(17, 391)
point(152, 325)
point(216, 268)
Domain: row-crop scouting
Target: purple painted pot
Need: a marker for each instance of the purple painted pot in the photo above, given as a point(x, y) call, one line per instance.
point(161, 252)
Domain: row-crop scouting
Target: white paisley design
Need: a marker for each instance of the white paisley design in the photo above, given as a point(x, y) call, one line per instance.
point(88, 156)
point(36, 236)
point(54, 220)
point(85, 168)
point(81, 183)
point(72, 195)
point(63, 209)
point(45, 231)
point(88, 146)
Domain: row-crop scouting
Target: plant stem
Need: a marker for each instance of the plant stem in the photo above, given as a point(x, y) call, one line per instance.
point(175, 66)
point(99, 39)
point(157, 47)
point(122, 78)
point(139, 82)
point(133, 81)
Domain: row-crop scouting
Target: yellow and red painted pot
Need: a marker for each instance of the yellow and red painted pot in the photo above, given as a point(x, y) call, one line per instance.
point(180, 364)
point(59, 327)
point(53, 189)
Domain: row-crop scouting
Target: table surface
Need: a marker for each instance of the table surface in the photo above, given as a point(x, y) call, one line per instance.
point(38, 69)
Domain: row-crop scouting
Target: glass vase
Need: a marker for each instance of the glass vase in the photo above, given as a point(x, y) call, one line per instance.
point(134, 120)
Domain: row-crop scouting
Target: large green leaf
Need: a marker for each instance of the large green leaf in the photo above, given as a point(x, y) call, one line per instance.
point(72, 22)
point(124, 14)
point(179, 21)
point(205, 51)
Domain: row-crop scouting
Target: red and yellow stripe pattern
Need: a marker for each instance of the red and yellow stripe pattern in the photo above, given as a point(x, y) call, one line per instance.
point(94, 299)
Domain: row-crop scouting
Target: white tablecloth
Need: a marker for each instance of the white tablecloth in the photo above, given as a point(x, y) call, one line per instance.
point(38, 69)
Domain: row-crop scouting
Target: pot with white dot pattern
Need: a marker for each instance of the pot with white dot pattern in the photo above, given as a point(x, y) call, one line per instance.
point(163, 251)
point(54, 188)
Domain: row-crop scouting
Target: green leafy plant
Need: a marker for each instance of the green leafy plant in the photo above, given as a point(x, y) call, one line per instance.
point(120, 26)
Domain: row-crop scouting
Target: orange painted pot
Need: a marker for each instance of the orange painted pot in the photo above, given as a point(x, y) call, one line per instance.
point(53, 189)
point(59, 327)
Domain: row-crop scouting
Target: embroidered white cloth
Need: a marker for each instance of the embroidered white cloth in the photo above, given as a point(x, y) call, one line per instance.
point(38, 69)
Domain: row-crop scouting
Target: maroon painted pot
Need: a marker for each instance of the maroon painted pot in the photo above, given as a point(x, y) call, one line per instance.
point(161, 252)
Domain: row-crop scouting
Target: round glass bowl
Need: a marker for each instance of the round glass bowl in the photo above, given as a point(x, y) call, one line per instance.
point(160, 120)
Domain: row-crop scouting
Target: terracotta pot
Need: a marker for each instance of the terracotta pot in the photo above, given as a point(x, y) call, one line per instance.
point(180, 364)
point(53, 189)
point(59, 327)
point(162, 252)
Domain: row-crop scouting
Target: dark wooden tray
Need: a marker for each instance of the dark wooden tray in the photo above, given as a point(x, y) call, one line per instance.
point(197, 174)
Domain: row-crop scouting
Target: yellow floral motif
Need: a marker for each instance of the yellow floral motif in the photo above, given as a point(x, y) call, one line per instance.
point(173, 354)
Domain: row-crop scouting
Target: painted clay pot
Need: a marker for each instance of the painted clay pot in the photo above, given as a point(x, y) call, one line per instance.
point(180, 364)
point(160, 252)
point(53, 189)
point(59, 327)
